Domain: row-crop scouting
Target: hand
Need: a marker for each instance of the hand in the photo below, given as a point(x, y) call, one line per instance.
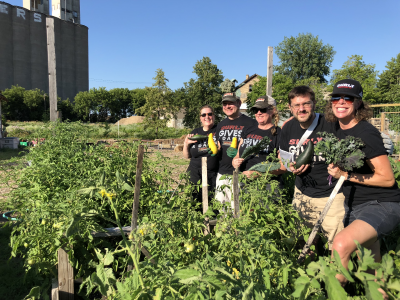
point(335, 172)
point(188, 142)
point(231, 152)
point(236, 162)
point(298, 171)
point(251, 174)
point(387, 142)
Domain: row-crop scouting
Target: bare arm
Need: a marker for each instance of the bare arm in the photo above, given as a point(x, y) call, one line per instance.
point(186, 145)
point(382, 175)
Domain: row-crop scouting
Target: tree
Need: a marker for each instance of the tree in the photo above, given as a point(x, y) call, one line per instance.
point(84, 104)
point(138, 99)
point(14, 108)
point(36, 101)
point(355, 68)
point(303, 57)
point(389, 82)
point(320, 90)
point(201, 91)
point(121, 103)
point(227, 86)
point(160, 106)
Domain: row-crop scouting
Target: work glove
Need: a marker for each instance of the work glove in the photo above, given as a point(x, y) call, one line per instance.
point(231, 152)
point(210, 152)
point(387, 143)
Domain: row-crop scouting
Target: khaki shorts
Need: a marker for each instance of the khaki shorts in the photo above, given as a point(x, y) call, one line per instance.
point(309, 210)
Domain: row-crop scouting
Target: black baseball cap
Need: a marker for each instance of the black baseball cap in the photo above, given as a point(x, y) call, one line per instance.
point(264, 102)
point(348, 87)
point(231, 97)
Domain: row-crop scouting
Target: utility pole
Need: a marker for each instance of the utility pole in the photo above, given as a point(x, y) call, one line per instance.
point(51, 59)
point(269, 71)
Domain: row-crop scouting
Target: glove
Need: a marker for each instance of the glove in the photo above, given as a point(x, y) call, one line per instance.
point(387, 143)
point(231, 152)
point(210, 152)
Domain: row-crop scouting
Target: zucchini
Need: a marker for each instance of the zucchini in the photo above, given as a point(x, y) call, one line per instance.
point(306, 157)
point(198, 137)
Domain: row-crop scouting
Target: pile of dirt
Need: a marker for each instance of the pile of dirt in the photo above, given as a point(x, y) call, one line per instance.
point(130, 120)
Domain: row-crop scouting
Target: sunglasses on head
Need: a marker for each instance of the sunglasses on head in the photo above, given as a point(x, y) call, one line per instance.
point(347, 99)
point(206, 114)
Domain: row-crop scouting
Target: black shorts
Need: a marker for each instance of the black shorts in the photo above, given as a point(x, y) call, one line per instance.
point(382, 216)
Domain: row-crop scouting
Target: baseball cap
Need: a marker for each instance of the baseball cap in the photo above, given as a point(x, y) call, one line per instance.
point(348, 87)
point(264, 102)
point(229, 97)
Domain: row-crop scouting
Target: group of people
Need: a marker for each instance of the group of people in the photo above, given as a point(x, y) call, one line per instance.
point(368, 206)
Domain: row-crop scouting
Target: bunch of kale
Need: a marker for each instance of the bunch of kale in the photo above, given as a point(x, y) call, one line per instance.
point(256, 148)
point(344, 153)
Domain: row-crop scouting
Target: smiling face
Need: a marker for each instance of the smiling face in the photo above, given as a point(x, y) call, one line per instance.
point(231, 109)
point(207, 120)
point(345, 111)
point(302, 108)
point(264, 118)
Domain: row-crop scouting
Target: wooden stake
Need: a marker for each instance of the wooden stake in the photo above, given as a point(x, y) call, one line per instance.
point(65, 277)
point(204, 183)
point(269, 70)
point(317, 225)
point(138, 180)
point(383, 122)
point(235, 184)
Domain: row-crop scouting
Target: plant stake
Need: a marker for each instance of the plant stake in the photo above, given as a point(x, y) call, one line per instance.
point(321, 218)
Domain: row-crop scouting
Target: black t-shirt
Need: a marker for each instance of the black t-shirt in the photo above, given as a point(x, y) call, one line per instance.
point(252, 136)
point(226, 130)
point(314, 182)
point(198, 150)
point(356, 193)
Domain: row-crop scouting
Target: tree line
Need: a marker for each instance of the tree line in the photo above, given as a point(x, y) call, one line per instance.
point(304, 60)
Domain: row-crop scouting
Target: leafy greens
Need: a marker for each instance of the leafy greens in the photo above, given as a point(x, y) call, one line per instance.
point(345, 153)
point(256, 148)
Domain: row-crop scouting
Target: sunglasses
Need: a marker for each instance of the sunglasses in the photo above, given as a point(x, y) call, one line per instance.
point(348, 99)
point(262, 110)
point(207, 114)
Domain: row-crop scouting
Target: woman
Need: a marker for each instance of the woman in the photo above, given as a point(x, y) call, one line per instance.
point(267, 118)
point(195, 150)
point(372, 197)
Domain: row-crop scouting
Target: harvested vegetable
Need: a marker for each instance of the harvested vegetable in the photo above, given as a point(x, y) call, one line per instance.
point(198, 137)
point(234, 143)
point(265, 166)
point(211, 144)
point(256, 148)
point(306, 157)
point(344, 153)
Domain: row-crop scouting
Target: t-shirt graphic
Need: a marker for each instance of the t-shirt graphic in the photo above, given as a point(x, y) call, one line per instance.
point(226, 130)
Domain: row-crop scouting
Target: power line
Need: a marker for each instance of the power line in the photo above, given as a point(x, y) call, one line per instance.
point(117, 81)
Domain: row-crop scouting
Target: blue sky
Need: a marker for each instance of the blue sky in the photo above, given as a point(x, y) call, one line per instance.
point(130, 39)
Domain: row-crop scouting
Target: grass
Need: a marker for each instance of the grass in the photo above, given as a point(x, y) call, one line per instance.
point(181, 162)
point(7, 154)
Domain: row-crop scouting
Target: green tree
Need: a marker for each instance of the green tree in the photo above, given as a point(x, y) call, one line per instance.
point(37, 103)
point(138, 99)
point(389, 82)
point(202, 90)
point(355, 68)
point(15, 108)
point(121, 103)
point(160, 106)
point(67, 109)
point(304, 56)
point(84, 104)
point(320, 90)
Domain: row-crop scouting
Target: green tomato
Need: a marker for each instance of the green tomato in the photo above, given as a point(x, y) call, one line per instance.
point(31, 261)
point(189, 247)
point(43, 222)
point(26, 245)
point(130, 237)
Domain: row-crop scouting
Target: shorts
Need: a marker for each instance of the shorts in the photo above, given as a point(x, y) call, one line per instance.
point(382, 216)
point(309, 210)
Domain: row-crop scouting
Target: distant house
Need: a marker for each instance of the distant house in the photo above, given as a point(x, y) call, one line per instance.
point(244, 88)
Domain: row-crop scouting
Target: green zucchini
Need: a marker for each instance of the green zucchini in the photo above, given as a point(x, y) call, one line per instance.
point(306, 157)
point(198, 137)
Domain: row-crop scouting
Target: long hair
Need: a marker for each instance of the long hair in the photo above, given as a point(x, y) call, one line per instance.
point(275, 116)
point(364, 112)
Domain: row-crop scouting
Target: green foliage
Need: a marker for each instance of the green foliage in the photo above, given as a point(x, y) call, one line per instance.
point(389, 82)
point(138, 99)
point(227, 86)
point(303, 57)
point(202, 90)
point(345, 153)
point(256, 148)
point(355, 68)
point(319, 89)
point(161, 106)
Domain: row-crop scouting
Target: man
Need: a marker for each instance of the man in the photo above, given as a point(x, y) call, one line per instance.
point(227, 129)
point(312, 188)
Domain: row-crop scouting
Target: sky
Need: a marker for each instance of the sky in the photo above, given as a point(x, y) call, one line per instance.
point(130, 39)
